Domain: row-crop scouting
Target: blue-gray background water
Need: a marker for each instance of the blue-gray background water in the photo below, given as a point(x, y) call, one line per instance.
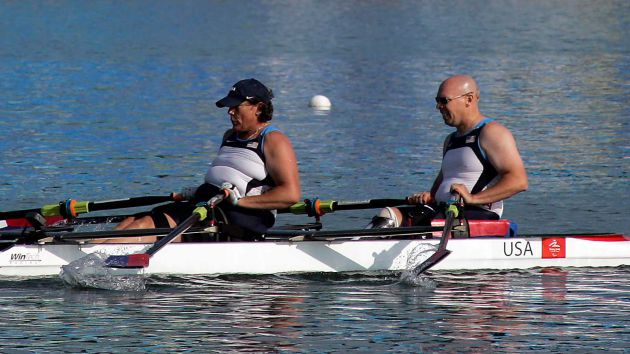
point(114, 99)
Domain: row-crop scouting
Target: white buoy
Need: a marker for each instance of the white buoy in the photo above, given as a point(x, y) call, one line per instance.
point(320, 102)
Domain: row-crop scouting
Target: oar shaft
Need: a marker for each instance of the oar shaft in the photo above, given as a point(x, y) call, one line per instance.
point(368, 204)
point(199, 214)
point(452, 212)
point(69, 236)
point(180, 229)
point(71, 208)
point(318, 234)
point(448, 227)
point(129, 202)
point(16, 214)
point(320, 207)
point(141, 260)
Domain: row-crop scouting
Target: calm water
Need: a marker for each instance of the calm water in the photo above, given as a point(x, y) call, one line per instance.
point(103, 99)
point(539, 310)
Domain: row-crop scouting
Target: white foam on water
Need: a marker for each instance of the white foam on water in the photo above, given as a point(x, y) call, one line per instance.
point(91, 272)
point(416, 256)
point(421, 281)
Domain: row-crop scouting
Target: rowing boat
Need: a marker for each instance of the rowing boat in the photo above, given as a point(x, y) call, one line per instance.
point(481, 245)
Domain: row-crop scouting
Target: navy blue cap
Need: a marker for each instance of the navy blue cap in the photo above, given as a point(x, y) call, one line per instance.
point(244, 90)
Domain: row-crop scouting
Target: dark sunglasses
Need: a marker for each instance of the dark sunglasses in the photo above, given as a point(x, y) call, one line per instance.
point(445, 100)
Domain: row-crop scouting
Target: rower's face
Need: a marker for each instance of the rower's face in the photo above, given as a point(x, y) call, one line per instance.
point(243, 116)
point(451, 104)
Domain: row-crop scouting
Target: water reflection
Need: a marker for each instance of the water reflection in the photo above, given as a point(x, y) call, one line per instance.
point(461, 311)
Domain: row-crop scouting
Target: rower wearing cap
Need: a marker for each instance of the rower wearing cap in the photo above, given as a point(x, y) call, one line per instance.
point(480, 162)
point(256, 163)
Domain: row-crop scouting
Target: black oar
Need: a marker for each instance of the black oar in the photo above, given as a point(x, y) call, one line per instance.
point(141, 260)
point(350, 234)
point(451, 214)
point(72, 208)
point(320, 207)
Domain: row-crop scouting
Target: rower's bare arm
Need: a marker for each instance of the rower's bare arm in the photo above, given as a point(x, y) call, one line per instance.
point(503, 154)
point(282, 166)
point(435, 186)
point(426, 197)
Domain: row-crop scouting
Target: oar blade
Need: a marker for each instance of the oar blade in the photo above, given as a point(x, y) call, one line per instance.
point(431, 261)
point(139, 260)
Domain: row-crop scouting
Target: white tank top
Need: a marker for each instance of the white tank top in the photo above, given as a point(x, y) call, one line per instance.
point(242, 163)
point(465, 162)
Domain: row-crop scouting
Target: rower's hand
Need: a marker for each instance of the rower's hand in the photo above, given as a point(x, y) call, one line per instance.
point(420, 198)
point(462, 190)
point(232, 195)
point(187, 193)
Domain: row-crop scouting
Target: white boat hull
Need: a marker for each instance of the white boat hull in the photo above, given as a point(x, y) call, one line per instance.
point(333, 256)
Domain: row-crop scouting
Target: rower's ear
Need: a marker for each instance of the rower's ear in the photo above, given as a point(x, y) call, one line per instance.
point(260, 106)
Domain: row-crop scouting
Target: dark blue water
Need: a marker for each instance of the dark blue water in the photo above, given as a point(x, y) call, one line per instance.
point(576, 310)
point(103, 99)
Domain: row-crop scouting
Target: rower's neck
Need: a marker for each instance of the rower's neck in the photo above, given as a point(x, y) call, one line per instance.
point(251, 135)
point(469, 124)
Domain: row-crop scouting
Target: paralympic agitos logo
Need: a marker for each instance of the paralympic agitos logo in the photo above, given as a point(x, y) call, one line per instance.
point(553, 247)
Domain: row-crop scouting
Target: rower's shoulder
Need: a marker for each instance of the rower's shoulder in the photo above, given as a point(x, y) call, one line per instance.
point(275, 134)
point(495, 128)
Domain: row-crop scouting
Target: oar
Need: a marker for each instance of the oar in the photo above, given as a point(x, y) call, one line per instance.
point(141, 260)
point(451, 214)
point(295, 235)
point(72, 208)
point(320, 207)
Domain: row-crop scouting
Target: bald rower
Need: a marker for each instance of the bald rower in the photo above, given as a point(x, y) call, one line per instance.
point(480, 162)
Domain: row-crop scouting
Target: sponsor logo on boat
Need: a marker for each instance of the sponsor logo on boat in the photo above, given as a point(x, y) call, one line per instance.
point(553, 247)
point(517, 249)
point(24, 257)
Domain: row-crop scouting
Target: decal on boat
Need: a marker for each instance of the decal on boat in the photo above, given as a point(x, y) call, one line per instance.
point(553, 247)
point(24, 258)
point(517, 248)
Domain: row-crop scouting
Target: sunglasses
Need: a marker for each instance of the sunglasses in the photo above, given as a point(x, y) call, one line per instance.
point(445, 100)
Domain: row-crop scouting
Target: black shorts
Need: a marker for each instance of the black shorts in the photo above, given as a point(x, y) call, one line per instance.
point(252, 221)
point(421, 215)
